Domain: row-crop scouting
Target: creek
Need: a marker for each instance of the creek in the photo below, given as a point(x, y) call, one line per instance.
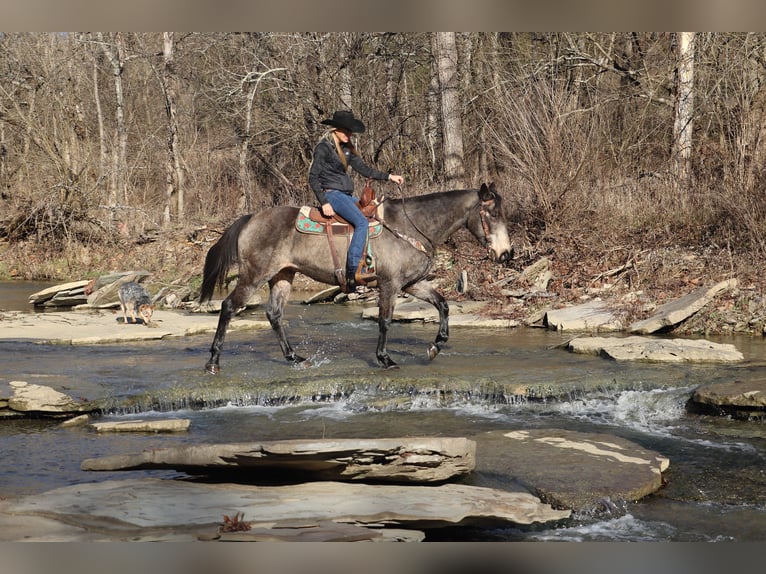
point(716, 483)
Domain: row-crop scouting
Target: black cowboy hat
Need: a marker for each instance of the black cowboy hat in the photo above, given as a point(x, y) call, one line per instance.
point(345, 119)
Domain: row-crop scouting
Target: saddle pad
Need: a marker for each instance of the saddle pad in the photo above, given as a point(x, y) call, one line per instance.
point(305, 224)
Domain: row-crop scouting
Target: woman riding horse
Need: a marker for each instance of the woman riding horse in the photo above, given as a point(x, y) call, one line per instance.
point(334, 188)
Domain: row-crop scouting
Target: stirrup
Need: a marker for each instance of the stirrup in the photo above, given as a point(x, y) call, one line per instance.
point(363, 277)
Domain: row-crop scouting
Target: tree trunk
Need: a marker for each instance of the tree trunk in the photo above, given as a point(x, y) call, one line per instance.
point(173, 171)
point(103, 164)
point(244, 152)
point(115, 53)
point(445, 53)
point(684, 110)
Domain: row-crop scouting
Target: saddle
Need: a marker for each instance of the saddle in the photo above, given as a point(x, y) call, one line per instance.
point(311, 220)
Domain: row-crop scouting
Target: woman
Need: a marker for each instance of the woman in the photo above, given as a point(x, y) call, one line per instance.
point(334, 188)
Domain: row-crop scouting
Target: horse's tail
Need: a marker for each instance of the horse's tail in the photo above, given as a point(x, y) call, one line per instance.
point(220, 258)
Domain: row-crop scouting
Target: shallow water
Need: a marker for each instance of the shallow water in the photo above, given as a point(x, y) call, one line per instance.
point(716, 479)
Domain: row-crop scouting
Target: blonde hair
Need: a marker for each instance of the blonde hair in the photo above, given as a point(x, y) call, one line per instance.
point(332, 138)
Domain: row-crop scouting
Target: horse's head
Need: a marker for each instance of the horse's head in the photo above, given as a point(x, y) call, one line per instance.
point(488, 224)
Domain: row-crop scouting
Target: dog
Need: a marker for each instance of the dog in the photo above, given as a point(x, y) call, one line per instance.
point(135, 298)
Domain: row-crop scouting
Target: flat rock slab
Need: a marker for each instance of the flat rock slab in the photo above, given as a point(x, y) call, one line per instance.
point(579, 471)
point(462, 313)
point(676, 311)
point(131, 509)
point(593, 316)
point(98, 327)
point(741, 399)
point(637, 348)
point(403, 460)
point(140, 425)
point(31, 398)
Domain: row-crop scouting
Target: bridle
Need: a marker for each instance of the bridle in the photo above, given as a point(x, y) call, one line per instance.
point(483, 212)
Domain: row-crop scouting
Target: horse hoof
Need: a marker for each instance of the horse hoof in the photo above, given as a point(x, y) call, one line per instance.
point(433, 350)
point(212, 369)
point(387, 363)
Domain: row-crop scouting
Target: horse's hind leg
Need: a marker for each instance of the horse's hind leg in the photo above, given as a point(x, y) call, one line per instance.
point(234, 301)
point(427, 293)
point(280, 286)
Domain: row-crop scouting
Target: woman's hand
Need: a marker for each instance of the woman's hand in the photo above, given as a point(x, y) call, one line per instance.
point(397, 179)
point(327, 210)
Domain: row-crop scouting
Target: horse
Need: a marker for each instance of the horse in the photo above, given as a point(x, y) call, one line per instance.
point(268, 247)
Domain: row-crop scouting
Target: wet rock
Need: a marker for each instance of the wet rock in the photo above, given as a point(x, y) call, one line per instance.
point(96, 327)
point(674, 312)
point(391, 460)
point(593, 316)
point(745, 400)
point(637, 348)
point(30, 398)
point(323, 295)
point(461, 313)
point(63, 295)
point(139, 425)
point(79, 421)
point(154, 509)
point(580, 471)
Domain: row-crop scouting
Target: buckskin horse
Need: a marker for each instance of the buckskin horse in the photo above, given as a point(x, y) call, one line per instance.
point(268, 247)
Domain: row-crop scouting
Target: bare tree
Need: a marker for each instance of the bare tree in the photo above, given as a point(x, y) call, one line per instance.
point(684, 109)
point(174, 180)
point(114, 50)
point(446, 57)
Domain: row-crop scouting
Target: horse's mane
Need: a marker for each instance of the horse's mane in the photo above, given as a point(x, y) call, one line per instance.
point(429, 197)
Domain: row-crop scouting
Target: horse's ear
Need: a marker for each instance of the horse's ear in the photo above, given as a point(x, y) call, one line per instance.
point(487, 194)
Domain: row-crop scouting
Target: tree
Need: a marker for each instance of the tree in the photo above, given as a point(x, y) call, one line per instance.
point(445, 56)
point(114, 50)
point(684, 109)
point(173, 171)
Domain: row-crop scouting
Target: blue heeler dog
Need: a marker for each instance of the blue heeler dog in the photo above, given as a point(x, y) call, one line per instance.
point(135, 298)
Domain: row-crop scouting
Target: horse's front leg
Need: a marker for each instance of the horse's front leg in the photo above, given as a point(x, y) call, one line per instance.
point(280, 286)
point(229, 306)
point(386, 301)
point(427, 293)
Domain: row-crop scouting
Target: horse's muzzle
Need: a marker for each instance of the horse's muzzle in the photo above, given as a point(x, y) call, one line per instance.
point(503, 258)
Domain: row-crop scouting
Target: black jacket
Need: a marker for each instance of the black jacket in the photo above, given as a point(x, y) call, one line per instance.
point(327, 171)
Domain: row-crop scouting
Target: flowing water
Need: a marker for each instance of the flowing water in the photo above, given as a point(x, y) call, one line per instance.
point(717, 474)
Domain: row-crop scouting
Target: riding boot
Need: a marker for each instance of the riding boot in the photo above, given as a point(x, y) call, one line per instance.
point(363, 275)
point(351, 283)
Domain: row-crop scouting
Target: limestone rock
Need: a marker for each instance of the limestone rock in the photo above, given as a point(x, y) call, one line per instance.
point(91, 328)
point(537, 275)
point(55, 295)
point(579, 471)
point(676, 311)
point(637, 348)
point(30, 398)
point(740, 399)
point(462, 313)
point(107, 287)
point(389, 459)
point(155, 509)
point(591, 316)
point(139, 425)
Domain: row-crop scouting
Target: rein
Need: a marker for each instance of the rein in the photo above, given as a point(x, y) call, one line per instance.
point(412, 241)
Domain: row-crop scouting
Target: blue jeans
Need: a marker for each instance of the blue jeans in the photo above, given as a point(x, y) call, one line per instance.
point(347, 207)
